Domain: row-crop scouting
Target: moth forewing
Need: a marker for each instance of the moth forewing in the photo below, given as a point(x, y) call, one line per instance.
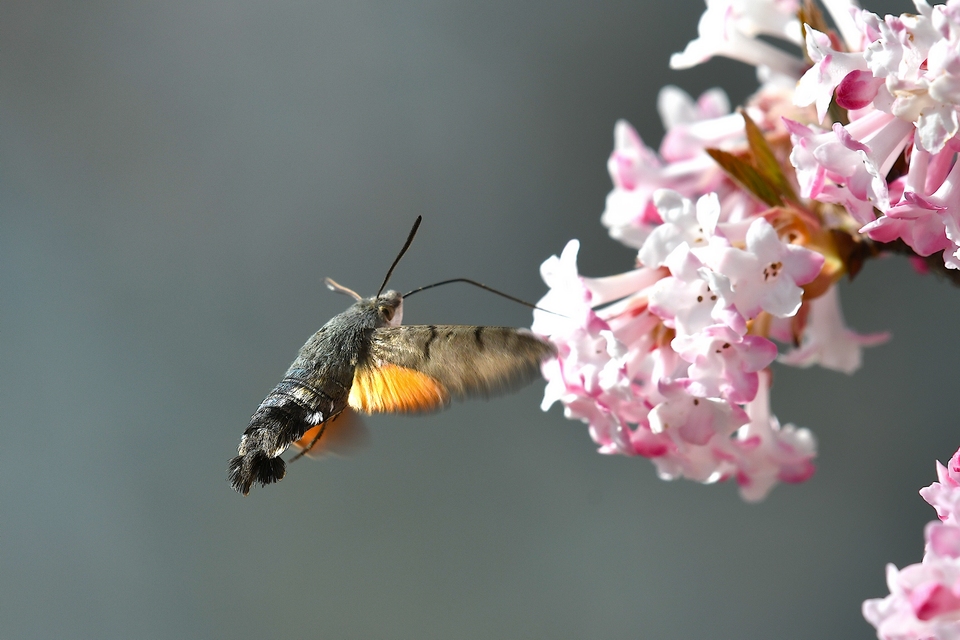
point(468, 361)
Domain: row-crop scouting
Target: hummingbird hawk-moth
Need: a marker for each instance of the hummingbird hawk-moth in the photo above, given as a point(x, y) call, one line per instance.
point(364, 360)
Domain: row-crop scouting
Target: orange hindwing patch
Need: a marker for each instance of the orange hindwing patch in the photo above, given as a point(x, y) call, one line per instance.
point(342, 435)
point(394, 389)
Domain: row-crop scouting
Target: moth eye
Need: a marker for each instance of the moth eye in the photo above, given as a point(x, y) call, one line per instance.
point(387, 313)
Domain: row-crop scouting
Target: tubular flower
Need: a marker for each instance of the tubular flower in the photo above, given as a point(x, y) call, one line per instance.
point(901, 86)
point(745, 221)
point(660, 362)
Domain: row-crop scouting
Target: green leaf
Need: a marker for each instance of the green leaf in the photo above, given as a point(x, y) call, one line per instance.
point(744, 173)
point(836, 113)
point(765, 162)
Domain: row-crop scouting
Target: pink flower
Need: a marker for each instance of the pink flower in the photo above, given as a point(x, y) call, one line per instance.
point(658, 363)
point(857, 90)
point(568, 298)
point(590, 376)
point(947, 197)
point(685, 301)
point(683, 223)
point(943, 539)
point(694, 420)
point(729, 29)
point(691, 128)
point(917, 56)
point(683, 165)
point(589, 379)
point(670, 360)
point(765, 277)
point(827, 341)
point(636, 173)
point(855, 159)
point(944, 496)
point(915, 220)
point(769, 453)
point(924, 600)
point(724, 364)
point(829, 69)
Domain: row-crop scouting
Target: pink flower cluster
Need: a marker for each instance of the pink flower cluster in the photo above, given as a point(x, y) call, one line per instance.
point(743, 225)
point(738, 241)
point(924, 600)
point(660, 362)
point(899, 80)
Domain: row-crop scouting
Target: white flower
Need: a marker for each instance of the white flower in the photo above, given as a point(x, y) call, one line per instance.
point(730, 28)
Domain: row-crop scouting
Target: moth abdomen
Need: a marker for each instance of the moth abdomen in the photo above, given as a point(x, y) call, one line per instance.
point(293, 407)
point(254, 466)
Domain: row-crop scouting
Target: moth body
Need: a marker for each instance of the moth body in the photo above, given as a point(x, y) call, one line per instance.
point(364, 360)
point(314, 389)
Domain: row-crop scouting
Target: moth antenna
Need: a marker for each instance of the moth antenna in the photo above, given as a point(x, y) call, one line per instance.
point(486, 288)
point(406, 245)
point(339, 288)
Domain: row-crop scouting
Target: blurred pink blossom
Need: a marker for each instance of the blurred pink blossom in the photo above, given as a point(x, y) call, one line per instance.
point(924, 600)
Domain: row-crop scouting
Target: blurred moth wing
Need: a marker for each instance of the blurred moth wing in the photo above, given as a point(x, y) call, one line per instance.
point(343, 435)
point(421, 367)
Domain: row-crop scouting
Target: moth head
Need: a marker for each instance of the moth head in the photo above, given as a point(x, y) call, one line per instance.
point(389, 307)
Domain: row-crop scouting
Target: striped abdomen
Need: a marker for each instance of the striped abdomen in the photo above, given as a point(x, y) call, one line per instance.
point(301, 400)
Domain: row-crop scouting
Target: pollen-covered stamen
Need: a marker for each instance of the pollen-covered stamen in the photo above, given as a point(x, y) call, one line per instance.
point(712, 298)
point(772, 270)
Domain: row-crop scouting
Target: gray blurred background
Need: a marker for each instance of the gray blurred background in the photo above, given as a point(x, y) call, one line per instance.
point(176, 178)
